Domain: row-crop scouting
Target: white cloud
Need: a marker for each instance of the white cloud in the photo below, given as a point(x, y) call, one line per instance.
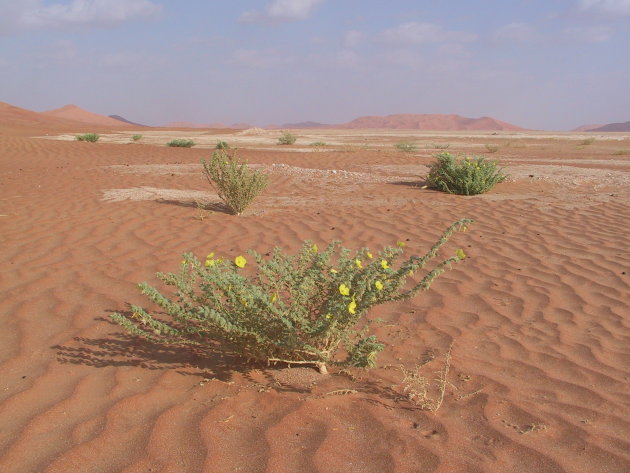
point(261, 59)
point(592, 34)
point(33, 14)
point(422, 33)
point(281, 11)
point(353, 39)
point(612, 7)
point(519, 32)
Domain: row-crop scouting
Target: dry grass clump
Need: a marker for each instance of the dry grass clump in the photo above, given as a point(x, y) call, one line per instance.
point(420, 391)
point(236, 183)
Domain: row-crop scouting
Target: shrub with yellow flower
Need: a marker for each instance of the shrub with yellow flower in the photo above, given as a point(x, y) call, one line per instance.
point(298, 309)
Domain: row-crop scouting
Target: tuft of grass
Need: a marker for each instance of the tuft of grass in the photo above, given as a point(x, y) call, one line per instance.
point(491, 148)
point(419, 390)
point(222, 145)
point(89, 137)
point(236, 183)
point(136, 137)
point(588, 141)
point(318, 144)
point(181, 143)
point(440, 145)
point(469, 176)
point(287, 138)
point(622, 152)
point(406, 147)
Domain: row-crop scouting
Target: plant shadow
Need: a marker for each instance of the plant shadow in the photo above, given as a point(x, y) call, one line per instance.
point(207, 206)
point(122, 349)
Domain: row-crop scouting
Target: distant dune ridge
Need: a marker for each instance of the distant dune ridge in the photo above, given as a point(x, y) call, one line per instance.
point(451, 122)
point(124, 120)
point(185, 124)
point(72, 112)
point(625, 126)
point(12, 115)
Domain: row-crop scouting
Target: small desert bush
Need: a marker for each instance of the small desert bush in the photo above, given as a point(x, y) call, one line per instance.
point(406, 147)
point(222, 145)
point(90, 137)
point(491, 148)
point(588, 141)
point(181, 143)
point(622, 152)
point(236, 183)
point(440, 145)
point(469, 176)
point(287, 139)
point(318, 144)
point(136, 137)
point(297, 309)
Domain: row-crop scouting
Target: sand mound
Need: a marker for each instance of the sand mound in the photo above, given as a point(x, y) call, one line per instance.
point(253, 132)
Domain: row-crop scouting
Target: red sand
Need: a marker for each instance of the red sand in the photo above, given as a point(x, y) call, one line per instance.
point(537, 315)
point(72, 112)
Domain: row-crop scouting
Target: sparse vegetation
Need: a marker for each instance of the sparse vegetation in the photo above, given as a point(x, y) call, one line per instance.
point(318, 144)
point(181, 143)
point(588, 141)
point(236, 183)
point(297, 309)
point(419, 389)
point(287, 139)
point(89, 137)
point(136, 137)
point(622, 152)
point(470, 176)
point(491, 148)
point(440, 145)
point(406, 147)
point(222, 145)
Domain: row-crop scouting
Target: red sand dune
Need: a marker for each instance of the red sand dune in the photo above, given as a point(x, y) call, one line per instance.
point(16, 116)
point(72, 112)
point(586, 127)
point(437, 122)
point(537, 315)
point(236, 126)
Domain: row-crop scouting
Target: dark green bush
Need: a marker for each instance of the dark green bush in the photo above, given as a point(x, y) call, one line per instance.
point(89, 137)
point(469, 176)
point(181, 143)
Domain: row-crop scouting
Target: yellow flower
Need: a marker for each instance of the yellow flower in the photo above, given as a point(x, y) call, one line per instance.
point(314, 248)
point(384, 264)
point(184, 262)
point(401, 244)
point(378, 285)
point(352, 307)
point(329, 316)
point(369, 255)
point(333, 270)
point(274, 298)
point(210, 256)
point(344, 290)
point(410, 273)
point(358, 263)
point(460, 254)
point(240, 261)
point(210, 262)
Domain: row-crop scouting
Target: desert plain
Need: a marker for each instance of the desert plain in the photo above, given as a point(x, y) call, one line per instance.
point(536, 318)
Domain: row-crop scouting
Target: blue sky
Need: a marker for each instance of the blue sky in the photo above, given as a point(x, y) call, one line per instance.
point(553, 64)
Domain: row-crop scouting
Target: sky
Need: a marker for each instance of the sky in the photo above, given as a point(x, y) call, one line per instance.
point(540, 64)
